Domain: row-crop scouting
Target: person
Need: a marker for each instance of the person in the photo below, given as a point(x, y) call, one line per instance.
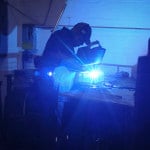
point(60, 51)
point(59, 56)
point(60, 46)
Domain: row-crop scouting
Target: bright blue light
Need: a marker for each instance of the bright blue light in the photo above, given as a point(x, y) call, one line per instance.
point(50, 73)
point(43, 73)
point(94, 75)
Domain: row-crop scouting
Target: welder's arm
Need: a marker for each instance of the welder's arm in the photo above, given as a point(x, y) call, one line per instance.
point(72, 64)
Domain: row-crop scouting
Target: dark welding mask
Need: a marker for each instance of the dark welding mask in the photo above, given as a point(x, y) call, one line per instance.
point(85, 30)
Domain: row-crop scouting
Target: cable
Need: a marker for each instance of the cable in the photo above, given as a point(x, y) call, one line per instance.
point(111, 27)
point(71, 52)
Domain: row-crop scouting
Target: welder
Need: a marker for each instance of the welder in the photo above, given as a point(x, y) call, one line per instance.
point(60, 46)
point(60, 58)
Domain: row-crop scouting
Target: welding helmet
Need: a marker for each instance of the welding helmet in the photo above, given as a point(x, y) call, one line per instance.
point(83, 29)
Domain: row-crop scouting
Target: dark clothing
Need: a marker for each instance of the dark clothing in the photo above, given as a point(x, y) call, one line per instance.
point(59, 47)
point(59, 51)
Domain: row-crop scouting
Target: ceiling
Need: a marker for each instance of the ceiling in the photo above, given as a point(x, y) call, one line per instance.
point(44, 13)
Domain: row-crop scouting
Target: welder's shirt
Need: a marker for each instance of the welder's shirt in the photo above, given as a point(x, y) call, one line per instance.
point(58, 47)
